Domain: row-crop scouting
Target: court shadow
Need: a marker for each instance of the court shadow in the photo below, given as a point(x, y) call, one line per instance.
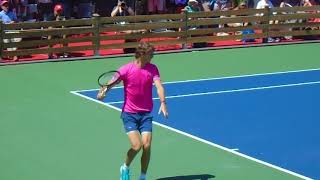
point(189, 177)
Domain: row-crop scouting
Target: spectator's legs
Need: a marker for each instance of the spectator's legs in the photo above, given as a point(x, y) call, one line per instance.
point(161, 6)
point(85, 10)
point(151, 6)
point(45, 11)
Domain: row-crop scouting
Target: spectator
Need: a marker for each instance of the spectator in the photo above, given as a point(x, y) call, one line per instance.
point(140, 7)
point(68, 6)
point(242, 5)
point(285, 3)
point(180, 5)
point(21, 9)
point(8, 17)
point(58, 16)
point(222, 5)
point(171, 6)
point(32, 11)
point(306, 3)
point(122, 10)
point(193, 6)
point(266, 4)
point(207, 5)
point(45, 9)
point(85, 8)
point(156, 6)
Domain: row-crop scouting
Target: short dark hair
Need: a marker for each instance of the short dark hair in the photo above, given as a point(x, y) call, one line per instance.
point(143, 48)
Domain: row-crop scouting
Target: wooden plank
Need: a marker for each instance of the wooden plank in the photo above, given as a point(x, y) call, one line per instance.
point(227, 13)
point(135, 44)
point(120, 45)
point(168, 42)
point(141, 18)
point(96, 34)
point(283, 17)
point(139, 26)
point(22, 52)
point(223, 38)
point(294, 33)
point(295, 9)
point(46, 42)
point(206, 31)
point(294, 25)
point(38, 25)
point(143, 35)
point(226, 20)
point(48, 32)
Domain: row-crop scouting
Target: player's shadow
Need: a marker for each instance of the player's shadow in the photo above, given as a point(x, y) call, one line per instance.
point(189, 177)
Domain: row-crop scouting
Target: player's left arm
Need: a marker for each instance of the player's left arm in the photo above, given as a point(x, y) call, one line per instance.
point(161, 94)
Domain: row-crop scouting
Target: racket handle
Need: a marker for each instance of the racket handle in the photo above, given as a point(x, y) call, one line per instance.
point(159, 109)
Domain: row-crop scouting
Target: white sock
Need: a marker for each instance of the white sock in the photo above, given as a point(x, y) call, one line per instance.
point(142, 176)
point(125, 166)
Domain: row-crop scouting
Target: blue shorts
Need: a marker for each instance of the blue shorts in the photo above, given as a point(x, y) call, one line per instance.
point(141, 122)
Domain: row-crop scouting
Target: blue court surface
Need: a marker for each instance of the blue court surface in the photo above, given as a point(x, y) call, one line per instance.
point(273, 118)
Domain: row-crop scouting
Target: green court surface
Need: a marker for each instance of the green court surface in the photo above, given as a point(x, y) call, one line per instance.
point(47, 133)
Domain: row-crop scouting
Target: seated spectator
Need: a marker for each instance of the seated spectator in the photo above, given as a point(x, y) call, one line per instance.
point(222, 5)
point(285, 3)
point(193, 6)
point(308, 3)
point(68, 7)
point(207, 5)
point(7, 17)
point(266, 4)
point(58, 16)
point(242, 5)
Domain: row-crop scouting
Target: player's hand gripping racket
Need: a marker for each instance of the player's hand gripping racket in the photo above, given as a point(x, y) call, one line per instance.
point(106, 81)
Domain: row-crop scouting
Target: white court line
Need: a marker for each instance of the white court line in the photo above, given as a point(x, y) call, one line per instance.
point(228, 77)
point(218, 92)
point(232, 91)
point(204, 141)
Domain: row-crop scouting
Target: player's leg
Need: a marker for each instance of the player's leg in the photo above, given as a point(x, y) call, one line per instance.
point(146, 153)
point(146, 138)
point(135, 142)
point(130, 124)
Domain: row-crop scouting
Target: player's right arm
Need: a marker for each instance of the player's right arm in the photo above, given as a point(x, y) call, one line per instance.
point(161, 94)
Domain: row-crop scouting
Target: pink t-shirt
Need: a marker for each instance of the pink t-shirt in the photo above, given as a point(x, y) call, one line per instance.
point(138, 86)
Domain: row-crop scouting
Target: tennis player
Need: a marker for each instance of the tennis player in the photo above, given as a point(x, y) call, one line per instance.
point(138, 77)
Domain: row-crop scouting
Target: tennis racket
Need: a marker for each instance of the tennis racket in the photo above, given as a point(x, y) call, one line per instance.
point(106, 81)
